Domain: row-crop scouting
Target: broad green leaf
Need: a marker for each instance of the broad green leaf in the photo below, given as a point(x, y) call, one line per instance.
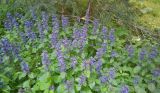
point(26, 84)
point(137, 69)
point(151, 87)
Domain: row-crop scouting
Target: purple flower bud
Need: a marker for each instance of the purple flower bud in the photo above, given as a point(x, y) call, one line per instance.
point(64, 21)
point(103, 79)
point(125, 89)
point(112, 73)
point(153, 53)
point(142, 54)
point(24, 67)
point(45, 60)
point(82, 80)
point(111, 36)
point(74, 62)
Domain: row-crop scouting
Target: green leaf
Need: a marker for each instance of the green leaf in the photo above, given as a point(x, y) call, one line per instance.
point(63, 75)
point(22, 75)
point(137, 69)
point(151, 87)
point(61, 88)
point(26, 84)
point(87, 73)
point(31, 75)
point(91, 85)
point(139, 89)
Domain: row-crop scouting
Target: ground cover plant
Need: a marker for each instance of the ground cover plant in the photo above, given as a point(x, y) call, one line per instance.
point(50, 54)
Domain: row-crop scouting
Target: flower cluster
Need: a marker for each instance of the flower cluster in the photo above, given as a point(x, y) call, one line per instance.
point(60, 58)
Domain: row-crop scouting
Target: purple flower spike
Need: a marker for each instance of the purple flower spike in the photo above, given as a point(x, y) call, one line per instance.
point(130, 50)
point(55, 24)
point(6, 46)
point(69, 85)
point(54, 38)
point(156, 73)
point(125, 89)
point(23, 37)
point(153, 53)
point(112, 73)
point(86, 64)
point(61, 62)
point(99, 53)
point(45, 21)
point(45, 60)
point(64, 21)
point(82, 80)
point(142, 54)
point(9, 16)
point(111, 36)
point(34, 17)
point(8, 25)
point(96, 25)
point(98, 66)
point(41, 33)
point(104, 32)
point(24, 67)
point(103, 79)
